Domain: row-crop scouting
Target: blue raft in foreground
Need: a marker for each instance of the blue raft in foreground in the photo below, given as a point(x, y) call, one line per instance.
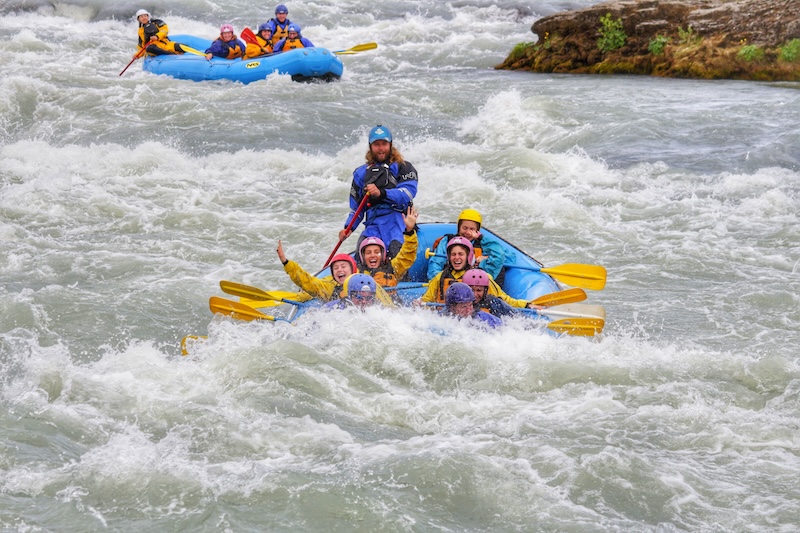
point(304, 64)
point(523, 277)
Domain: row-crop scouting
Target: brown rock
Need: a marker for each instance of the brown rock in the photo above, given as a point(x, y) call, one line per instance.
point(740, 39)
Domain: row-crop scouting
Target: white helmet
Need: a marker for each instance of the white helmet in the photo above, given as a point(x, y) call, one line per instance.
point(142, 12)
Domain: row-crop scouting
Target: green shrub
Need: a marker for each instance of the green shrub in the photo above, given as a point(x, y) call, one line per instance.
point(612, 34)
point(790, 51)
point(750, 52)
point(520, 50)
point(656, 46)
point(687, 36)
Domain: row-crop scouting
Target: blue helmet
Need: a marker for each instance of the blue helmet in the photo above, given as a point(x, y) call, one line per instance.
point(293, 27)
point(360, 284)
point(265, 26)
point(459, 293)
point(280, 8)
point(380, 133)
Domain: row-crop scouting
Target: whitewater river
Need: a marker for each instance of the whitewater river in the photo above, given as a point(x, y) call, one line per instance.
point(125, 200)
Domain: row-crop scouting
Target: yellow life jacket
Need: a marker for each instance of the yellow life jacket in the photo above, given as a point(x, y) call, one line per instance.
point(234, 50)
point(448, 277)
point(293, 44)
point(281, 32)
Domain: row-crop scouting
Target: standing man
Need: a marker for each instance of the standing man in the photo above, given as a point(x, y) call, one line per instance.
point(391, 184)
point(153, 36)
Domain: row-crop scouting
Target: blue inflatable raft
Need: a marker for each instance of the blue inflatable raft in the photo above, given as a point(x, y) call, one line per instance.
point(522, 279)
point(304, 64)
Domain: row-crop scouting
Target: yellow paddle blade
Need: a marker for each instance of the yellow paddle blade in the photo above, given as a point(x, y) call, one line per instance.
point(188, 341)
point(357, 48)
point(568, 296)
point(578, 275)
point(574, 311)
point(236, 310)
point(256, 304)
point(191, 50)
point(579, 327)
point(254, 293)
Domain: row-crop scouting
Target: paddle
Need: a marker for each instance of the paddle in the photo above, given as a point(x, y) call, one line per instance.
point(256, 294)
point(348, 228)
point(238, 311)
point(191, 50)
point(579, 327)
point(137, 56)
point(567, 296)
point(357, 48)
point(249, 36)
point(575, 274)
point(569, 311)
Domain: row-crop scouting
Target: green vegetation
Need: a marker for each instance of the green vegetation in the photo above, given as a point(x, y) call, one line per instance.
point(790, 51)
point(612, 34)
point(687, 36)
point(750, 52)
point(656, 46)
point(519, 51)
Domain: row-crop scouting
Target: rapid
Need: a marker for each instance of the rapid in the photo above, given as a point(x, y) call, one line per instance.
point(124, 200)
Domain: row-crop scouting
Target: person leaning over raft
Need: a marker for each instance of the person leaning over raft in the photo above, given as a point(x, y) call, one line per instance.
point(391, 184)
point(264, 46)
point(227, 46)
point(459, 301)
point(293, 40)
point(153, 36)
point(360, 291)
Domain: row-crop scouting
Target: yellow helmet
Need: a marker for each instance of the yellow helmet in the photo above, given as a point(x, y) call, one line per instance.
point(471, 214)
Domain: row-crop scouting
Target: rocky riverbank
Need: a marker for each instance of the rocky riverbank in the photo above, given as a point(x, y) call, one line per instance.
point(709, 39)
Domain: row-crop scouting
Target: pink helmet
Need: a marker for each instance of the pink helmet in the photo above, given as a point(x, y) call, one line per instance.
point(462, 241)
point(372, 240)
point(226, 27)
point(346, 258)
point(476, 276)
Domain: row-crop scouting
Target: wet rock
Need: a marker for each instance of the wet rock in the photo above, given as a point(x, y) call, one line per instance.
point(711, 39)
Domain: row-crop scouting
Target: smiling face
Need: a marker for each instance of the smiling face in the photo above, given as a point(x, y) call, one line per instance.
point(458, 257)
point(372, 255)
point(281, 17)
point(340, 270)
point(226, 36)
point(468, 229)
point(266, 34)
point(479, 292)
point(143, 19)
point(381, 149)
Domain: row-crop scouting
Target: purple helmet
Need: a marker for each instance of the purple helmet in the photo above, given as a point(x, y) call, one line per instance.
point(476, 276)
point(359, 284)
point(226, 27)
point(462, 241)
point(458, 293)
point(372, 240)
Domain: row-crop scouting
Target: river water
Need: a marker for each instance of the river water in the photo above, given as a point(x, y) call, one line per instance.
point(125, 200)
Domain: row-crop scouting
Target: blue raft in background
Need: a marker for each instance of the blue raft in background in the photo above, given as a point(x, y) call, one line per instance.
point(303, 64)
